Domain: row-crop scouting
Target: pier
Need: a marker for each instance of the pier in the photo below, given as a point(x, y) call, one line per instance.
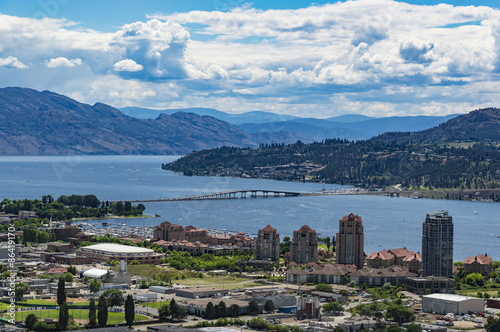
point(232, 194)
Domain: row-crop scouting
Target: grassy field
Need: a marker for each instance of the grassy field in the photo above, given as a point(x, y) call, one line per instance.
point(225, 282)
point(50, 302)
point(156, 305)
point(113, 317)
point(473, 292)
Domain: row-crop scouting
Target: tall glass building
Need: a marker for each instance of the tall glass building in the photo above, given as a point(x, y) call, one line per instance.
point(437, 244)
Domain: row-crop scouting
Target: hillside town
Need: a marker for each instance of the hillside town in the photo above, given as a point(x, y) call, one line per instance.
point(177, 278)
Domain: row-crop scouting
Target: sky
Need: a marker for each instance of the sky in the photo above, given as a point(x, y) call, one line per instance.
point(302, 58)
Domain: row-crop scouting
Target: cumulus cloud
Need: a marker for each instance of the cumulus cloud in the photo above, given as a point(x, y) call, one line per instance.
point(415, 51)
point(63, 62)
point(362, 55)
point(127, 65)
point(158, 46)
point(12, 62)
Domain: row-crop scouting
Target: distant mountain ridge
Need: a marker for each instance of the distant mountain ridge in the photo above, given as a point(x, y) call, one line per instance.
point(460, 154)
point(46, 123)
point(267, 124)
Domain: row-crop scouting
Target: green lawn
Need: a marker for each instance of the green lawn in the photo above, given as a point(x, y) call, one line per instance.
point(154, 304)
point(473, 292)
point(113, 317)
point(225, 282)
point(49, 302)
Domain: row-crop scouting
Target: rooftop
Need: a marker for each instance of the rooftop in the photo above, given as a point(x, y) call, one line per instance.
point(449, 297)
point(117, 248)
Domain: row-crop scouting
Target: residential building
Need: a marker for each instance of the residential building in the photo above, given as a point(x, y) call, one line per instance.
point(71, 234)
point(267, 244)
point(325, 273)
point(395, 275)
point(413, 263)
point(437, 244)
point(400, 254)
point(350, 241)
point(424, 285)
point(479, 264)
point(379, 259)
point(304, 246)
point(176, 233)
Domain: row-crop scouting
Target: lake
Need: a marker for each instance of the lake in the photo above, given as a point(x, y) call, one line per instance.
point(388, 222)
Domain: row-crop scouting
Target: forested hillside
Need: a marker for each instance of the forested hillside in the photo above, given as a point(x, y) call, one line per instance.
point(458, 163)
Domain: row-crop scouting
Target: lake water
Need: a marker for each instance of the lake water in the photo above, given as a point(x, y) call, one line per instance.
point(388, 222)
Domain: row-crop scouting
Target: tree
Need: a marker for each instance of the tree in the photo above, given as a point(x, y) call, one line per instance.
point(40, 326)
point(164, 312)
point(344, 292)
point(269, 306)
point(72, 270)
point(253, 307)
point(333, 307)
point(129, 310)
point(68, 277)
point(114, 297)
point(30, 321)
point(324, 288)
point(234, 310)
point(92, 314)
point(21, 289)
point(102, 313)
point(399, 313)
point(63, 317)
point(222, 309)
point(327, 242)
point(492, 324)
point(94, 285)
point(209, 311)
point(412, 327)
point(61, 291)
point(177, 312)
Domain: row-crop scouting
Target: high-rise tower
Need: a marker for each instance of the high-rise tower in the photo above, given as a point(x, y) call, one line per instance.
point(437, 244)
point(351, 241)
point(304, 247)
point(267, 244)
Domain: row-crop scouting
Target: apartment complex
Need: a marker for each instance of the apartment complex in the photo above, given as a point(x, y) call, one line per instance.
point(437, 244)
point(401, 256)
point(304, 246)
point(479, 264)
point(267, 244)
point(350, 241)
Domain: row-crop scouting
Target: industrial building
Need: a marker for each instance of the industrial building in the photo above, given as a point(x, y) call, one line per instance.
point(450, 303)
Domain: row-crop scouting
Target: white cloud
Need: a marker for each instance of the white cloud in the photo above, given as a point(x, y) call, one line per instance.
point(12, 62)
point(63, 62)
point(127, 65)
point(363, 56)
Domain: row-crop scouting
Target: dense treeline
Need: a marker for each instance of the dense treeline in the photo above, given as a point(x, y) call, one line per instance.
point(69, 207)
point(368, 164)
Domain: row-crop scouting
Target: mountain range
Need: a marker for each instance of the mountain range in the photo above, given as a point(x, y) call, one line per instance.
point(460, 154)
point(47, 123)
point(266, 124)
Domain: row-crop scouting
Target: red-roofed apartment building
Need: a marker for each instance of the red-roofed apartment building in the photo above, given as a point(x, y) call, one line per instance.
point(479, 264)
point(401, 256)
point(304, 246)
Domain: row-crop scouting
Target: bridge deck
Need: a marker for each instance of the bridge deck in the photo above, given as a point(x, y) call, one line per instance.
point(231, 194)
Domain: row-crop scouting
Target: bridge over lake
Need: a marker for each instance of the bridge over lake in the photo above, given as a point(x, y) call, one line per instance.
point(232, 194)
